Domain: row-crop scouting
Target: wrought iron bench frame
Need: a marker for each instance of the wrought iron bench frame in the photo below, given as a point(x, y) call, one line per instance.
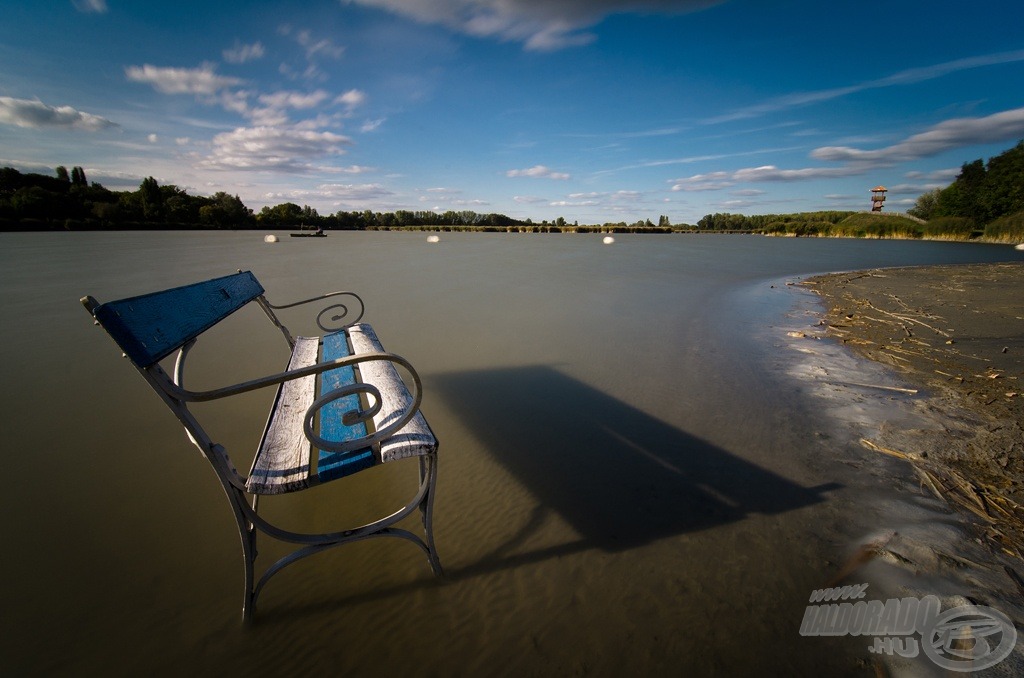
point(151, 327)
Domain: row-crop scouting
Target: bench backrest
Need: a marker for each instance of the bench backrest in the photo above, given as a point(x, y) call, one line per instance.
point(150, 327)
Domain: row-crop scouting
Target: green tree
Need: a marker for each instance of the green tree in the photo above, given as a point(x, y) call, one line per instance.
point(151, 199)
point(62, 174)
point(925, 205)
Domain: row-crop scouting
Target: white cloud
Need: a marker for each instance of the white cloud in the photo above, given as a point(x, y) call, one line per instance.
point(539, 25)
point(240, 53)
point(91, 6)
point(351, 99)
point(946, 135)
point(152, 138)
point(537, 172)
point(236, 101)
point(773, 173)
point(200, 80)
point(34, 113)
point(269, 148)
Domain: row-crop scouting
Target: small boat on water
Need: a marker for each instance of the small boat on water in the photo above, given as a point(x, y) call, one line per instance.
point(307, 233)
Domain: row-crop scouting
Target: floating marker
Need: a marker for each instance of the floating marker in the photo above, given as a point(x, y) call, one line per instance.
point(433, 238)
point(270, 238)
point(608, 240)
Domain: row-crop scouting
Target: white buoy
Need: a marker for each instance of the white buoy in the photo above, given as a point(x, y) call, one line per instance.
point(270, 238)
point(608, 240)
point(1019, 247)
point(433, 238)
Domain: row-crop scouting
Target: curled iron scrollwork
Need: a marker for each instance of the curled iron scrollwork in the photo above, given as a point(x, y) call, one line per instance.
point(324, 323)
point(342, 313)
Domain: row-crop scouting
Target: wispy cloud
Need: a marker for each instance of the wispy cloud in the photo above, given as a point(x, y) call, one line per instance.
point(34, 113)
point(529, 199)
point(537, 172)
point(712, 181)
point(90, 6)
point(296, 100)
point(541, 26)
point(945, 136)
point(241, 53)
point(688, 160)
point(315, 49)
point(202, 80)
point(339, 193)
point(905, 77)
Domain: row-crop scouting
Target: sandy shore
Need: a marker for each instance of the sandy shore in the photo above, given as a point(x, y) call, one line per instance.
point(956, 333)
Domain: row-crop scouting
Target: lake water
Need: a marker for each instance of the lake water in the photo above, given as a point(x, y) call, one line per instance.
point(631, 480)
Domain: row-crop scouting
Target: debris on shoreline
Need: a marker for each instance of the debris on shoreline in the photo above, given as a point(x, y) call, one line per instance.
point(957, 332)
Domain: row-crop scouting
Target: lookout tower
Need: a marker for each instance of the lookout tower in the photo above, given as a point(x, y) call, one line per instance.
point(877, 198)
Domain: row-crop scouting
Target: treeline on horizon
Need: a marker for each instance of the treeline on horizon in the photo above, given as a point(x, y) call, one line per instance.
point(985, 200)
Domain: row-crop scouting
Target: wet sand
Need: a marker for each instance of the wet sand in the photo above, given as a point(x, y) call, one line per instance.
point(956, 334)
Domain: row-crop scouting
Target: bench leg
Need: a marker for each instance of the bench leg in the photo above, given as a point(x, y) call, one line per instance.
point(249, 523)
point(428, 474)
point(249, 557)
point(247, 534)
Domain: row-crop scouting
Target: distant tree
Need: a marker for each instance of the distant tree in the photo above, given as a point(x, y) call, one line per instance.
point(151, 199)
point(663, 222)
point(62, 173)
point(1005, 183)
point(924, 207)
point(78, 177)
point(225, 210)
point(285, 214)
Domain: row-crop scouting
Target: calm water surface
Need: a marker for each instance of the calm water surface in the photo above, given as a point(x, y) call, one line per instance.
point(629, 483)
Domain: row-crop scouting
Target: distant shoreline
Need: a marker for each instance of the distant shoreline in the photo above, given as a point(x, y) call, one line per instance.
point(533, 229)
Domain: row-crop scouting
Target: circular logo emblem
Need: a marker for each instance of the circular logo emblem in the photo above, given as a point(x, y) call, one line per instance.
point(969, 638)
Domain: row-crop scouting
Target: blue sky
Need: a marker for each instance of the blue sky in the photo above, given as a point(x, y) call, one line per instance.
point(593, 110)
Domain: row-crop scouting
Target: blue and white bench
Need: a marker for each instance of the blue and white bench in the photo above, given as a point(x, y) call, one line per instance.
point(341, 407)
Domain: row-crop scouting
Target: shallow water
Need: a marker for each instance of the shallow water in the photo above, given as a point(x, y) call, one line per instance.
point(631, 477)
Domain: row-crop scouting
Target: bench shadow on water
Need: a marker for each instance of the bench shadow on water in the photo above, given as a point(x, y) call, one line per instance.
point(621, 478)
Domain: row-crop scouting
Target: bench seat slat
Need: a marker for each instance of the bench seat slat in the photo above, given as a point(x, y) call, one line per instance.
point(415, 438)
point(282, 463)
point(331, 465)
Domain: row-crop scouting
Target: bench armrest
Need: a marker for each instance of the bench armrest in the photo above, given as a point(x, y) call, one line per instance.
point(185, 395)
point(343, 309)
